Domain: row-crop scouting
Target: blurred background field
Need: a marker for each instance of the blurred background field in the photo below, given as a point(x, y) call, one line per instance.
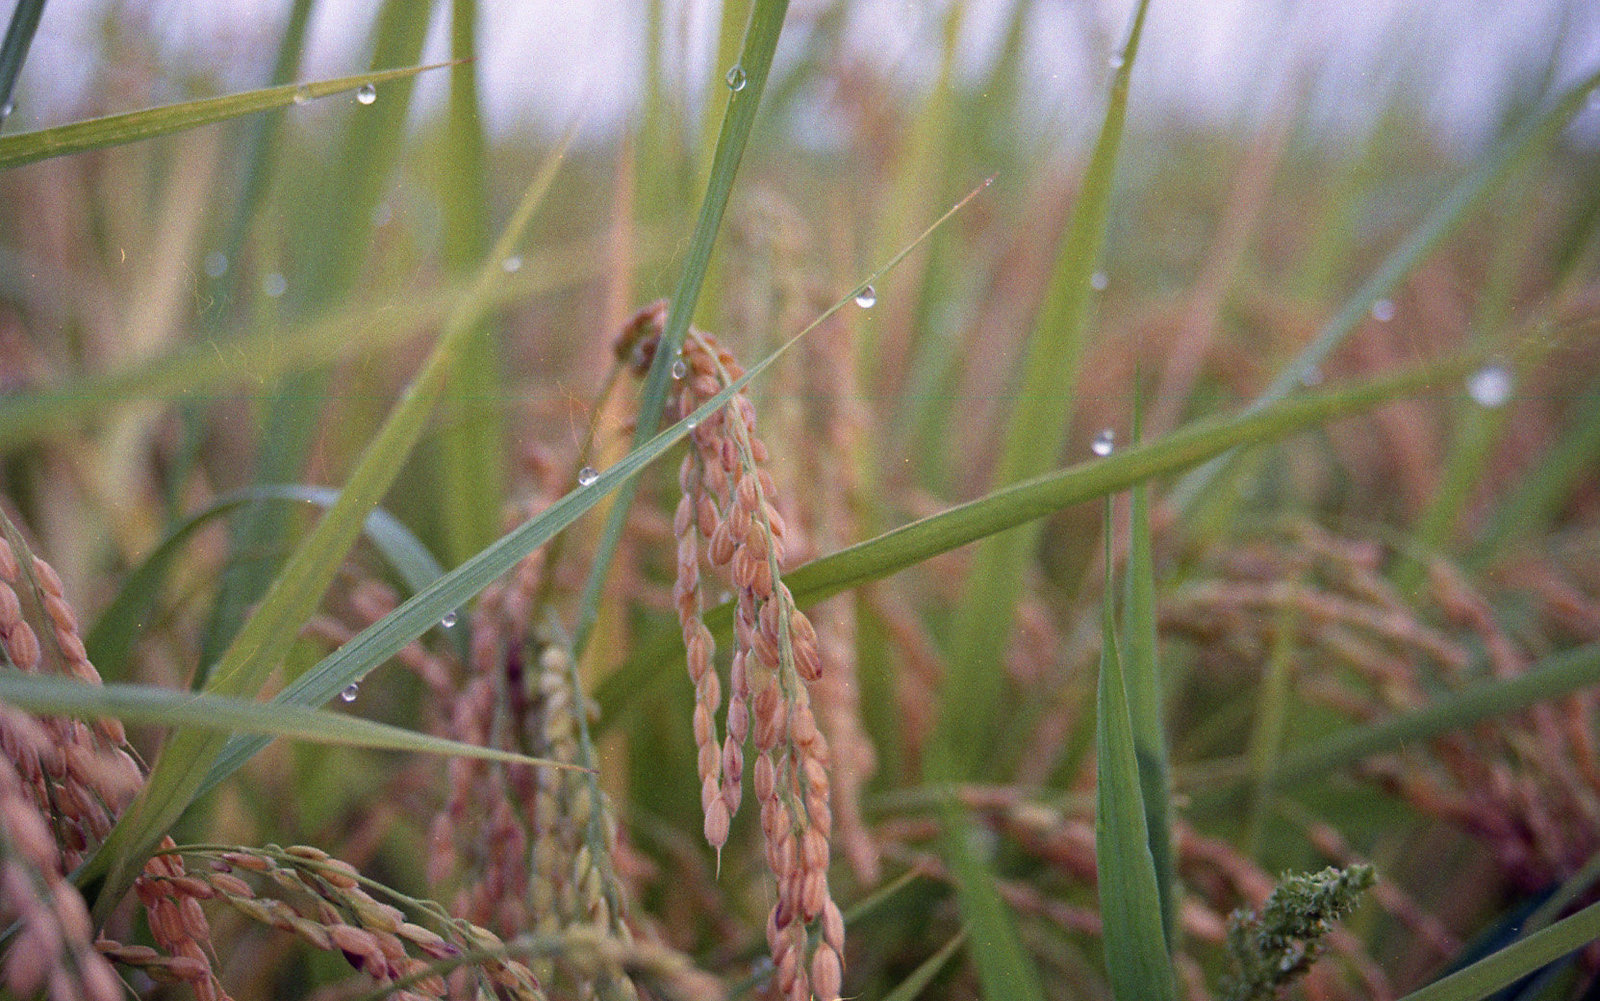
point(243, 303)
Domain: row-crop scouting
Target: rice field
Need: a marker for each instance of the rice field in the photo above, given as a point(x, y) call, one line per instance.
point(828, 535)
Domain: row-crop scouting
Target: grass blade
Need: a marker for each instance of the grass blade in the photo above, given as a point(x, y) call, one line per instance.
point(14, 51)
point(1515, 961)
point(1037, 429)
point(1004, 969)
point(1137, 960)
point(470, 453)
point(153, 706)
point(1553, 677)
point(755, 62)
point(135, 126)
point(919, 978)
point(1142, 676)
point(1032, 499)
point(335, 249)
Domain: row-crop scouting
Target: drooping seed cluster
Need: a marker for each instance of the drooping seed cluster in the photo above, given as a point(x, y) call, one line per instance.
point(320, 900)
point(52, 952)
point(727, 516)
point(83, 775)
point(527, 848)
point(171, 899)
point(79, 777)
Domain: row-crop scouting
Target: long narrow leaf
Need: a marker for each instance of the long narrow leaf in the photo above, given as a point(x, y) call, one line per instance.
point(1553, 677)
point(1036, 430)
point(338, 205)
point(1515, 961)
point(1137, 961)
point(755, 62)
point(1004, 969)
point(1142, 675)
point(134, 126)
point(1023, 502)
point(14, 51)
point(471, 449)
point(149, 705)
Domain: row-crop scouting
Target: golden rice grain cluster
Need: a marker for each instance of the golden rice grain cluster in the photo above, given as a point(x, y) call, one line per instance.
point(727, 521)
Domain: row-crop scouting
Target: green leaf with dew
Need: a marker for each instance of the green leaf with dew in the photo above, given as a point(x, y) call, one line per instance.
point(149, 705)
point(135, 126)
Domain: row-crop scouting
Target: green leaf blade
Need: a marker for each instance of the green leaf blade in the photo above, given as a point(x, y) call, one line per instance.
point(150, 123)
point(1131, 912)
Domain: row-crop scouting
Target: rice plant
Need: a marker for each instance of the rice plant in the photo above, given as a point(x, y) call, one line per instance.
point(974, 554)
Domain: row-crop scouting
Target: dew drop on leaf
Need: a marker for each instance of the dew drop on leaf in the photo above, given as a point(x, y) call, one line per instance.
point(367, 93)
point(1490, 386)
point(867, 297)
point(1103, 443)
point(587, 475)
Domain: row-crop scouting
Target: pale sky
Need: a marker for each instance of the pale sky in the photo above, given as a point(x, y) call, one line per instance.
point(545, 60)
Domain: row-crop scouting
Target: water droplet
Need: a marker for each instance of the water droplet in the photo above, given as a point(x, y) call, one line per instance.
point(216, 264)
point(736, 78)
point(691, 424)
point(5, 112)
point(301, 95)
point(1312, 376)
point(367, 94)
point(867, 297)
point(587, 475)
point(350, 692)
point(1115, 61)
point(1383, 310)
point(274, 284)
point(680, 368)
point(449, 620)
point(1103, 443)
point(511, 265)
point(1490, 386)
point(1099, 280)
